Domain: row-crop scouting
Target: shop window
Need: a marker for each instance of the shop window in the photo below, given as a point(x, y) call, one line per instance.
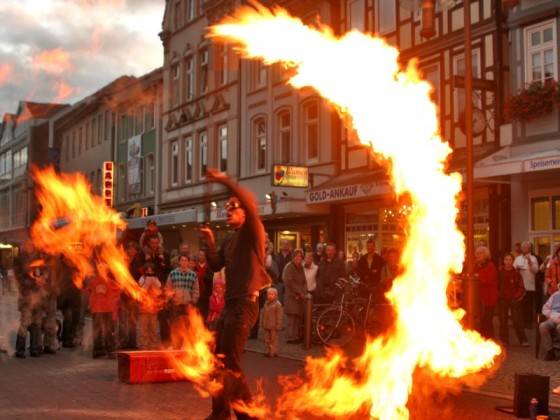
point(556, 213)
point(540, 213)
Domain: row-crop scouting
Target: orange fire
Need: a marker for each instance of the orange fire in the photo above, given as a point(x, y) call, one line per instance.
point(78, 225)
point(390, 109)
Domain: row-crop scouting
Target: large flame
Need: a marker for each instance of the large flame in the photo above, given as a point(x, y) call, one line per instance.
point(390, 110)
point(78, 225)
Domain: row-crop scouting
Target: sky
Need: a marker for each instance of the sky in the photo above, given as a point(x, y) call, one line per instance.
point(60, 51)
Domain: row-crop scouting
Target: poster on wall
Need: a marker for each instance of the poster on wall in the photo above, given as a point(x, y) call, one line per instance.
point(134, 153)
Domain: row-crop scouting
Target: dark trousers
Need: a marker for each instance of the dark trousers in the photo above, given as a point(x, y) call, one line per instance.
point(529, 309)
point(486, 321)
point(505, 305)
point(233, 330)
point(164, 329)
point(71, 310)
point(127, 323)
point(103, 332)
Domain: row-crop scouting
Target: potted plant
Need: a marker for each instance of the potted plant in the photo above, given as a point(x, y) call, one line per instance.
point(534, 101)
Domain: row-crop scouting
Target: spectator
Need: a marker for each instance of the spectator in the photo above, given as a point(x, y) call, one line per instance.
point(184, 248)
point(319, 253)
point(516, 249)
point(390, 270)
point(155, 254)
point(205, 277)
point(330, 270)
point(487, 275)
point(282, 259)
point(294, 298)
point(147, 316)
point(510, 293)
point(128, 308)
point(551, 310)
point(310, 269)
point(352, 267)
point(69, 303)
point(528, 266)
point(151, 230)
point(552, 275)
point(272, 321)
point(216, 304)
point(103, 296)
point(31, 275)
point(182, 290)
point(370, 265)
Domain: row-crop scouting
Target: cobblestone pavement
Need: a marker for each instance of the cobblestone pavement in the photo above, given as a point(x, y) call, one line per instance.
point(71, 385)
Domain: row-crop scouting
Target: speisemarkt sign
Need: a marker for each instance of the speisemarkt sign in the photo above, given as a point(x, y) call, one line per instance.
point(290, 176)
point(346, 192)
point(541, 164)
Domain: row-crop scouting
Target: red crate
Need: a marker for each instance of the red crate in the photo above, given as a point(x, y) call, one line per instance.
point(137, 367)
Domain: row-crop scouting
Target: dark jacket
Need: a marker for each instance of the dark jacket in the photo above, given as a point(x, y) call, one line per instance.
point(329, 271)
point(370, 275)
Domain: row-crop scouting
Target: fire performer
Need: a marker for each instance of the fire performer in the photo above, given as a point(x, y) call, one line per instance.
point(242, 253)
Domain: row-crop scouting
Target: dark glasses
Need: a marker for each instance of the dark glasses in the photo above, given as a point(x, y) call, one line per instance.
point(232, 205)
point(149, 272)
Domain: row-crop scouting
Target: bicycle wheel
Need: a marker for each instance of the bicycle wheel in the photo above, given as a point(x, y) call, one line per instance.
point(335, 327)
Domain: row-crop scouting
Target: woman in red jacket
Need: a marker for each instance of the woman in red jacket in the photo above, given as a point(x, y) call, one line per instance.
point(487, 275)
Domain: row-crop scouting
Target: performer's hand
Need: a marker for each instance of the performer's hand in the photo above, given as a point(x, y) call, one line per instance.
point(207, 236)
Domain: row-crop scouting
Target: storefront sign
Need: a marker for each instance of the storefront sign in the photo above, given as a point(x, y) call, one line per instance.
point(541, 164)
point(290, 176)
point(349, 192)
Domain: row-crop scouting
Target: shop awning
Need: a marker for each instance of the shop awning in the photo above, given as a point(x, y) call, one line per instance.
point(163, 219)
point(350, 186)
point(527, 158)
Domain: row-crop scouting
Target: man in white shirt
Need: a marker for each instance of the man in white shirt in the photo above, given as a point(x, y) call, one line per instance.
point(527, 265)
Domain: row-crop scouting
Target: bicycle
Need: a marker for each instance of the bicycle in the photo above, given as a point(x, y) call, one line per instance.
point(339, 322)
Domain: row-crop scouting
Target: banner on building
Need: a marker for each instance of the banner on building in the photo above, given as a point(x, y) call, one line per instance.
point(134, 153)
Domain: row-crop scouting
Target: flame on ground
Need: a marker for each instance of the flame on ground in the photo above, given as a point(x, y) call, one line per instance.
point(390, 110)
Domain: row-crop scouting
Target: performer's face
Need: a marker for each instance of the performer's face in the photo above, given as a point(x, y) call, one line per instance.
point(235, 214)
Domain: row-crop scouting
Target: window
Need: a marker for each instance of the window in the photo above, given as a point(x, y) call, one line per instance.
point(80, 140)
point(87, 136)
point(540, 41)
point(139, 120)
point(74, 144)
point(93, 132)
point(386, 16)
point(178, 15)
point(174, 163)
point(203, 139)
point(189, 79)
point(222, 63)
point(100, 129)
point(357, 15)
point(258, 74)
point(223, 144)
point(188, 159)
point(203, 71)
point(311, 129)
point(6, 165)
point(175, 74)
point(191, 9)
point(545, 220)
point(67, 143)
point(150, 174)
point(459, 70)
point(432, 75)
point(259, 136)
point(284, 123)
point(150, 115)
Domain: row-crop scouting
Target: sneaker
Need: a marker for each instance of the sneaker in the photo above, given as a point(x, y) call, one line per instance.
point(34, 353)
point(20, 354)
point(550, 356)
point(525, 344)
point(49, 350)
point(556, 390)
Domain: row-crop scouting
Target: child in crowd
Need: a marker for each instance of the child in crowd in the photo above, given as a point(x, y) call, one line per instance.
point(103, 295)
point(216, 305)
point(272, 321)
point(151, 230)
point(147, 315)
